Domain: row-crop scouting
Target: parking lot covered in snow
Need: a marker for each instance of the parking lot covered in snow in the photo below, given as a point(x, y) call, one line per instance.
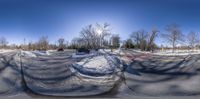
point(125, 72)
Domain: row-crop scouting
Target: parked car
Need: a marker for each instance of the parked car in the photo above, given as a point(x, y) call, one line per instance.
point(82, 51)
point(60, 49)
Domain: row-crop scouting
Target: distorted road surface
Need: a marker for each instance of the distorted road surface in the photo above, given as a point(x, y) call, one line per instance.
point(55, 75)
point(134, 74)
point(163, 75)
point(10, 74)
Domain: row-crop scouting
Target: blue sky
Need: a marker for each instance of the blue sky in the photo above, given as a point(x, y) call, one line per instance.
point(32, 19)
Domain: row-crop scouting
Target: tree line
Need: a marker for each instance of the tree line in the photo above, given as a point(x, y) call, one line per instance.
point(100, 36)
point(172, 35)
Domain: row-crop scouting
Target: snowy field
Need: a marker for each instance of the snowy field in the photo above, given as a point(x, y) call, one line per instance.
point(170, 52)
point(177, 52)
point(103, 73)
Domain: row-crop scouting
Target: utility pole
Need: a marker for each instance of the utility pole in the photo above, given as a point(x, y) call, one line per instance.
point(24, 44)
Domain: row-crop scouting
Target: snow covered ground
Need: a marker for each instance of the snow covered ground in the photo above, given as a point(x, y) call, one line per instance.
point(170, 52)
point(65, 76)
point(10, 74)
point(98, 73)
point(82, 56)
point(96, 65)
point(32, 96)
point(6, 50)
point(177, 52)
point(28, 54)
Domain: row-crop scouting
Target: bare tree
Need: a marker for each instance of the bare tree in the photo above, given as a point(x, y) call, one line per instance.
point(89, 36)
point(152, 36)
point(75, 43)
point(66, 44)
point(136, 37)
point(93, 36)
point(30, 46)
point(129, 44)
point(115, 41)
point(43, 43)
point(102, 31)
point(140, 37)
point(193, 39)
point(173, 35)
point(3, 42)
point(61, 42)
point(13, 46)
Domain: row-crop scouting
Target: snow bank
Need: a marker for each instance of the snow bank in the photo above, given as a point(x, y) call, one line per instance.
point(94, 66)
point(97, 66)
point(115, 51)
point(74, 55)
point(28, 54)
point(42, 52)
point(119, 51)
point(102, 51)
point(177, 53)
point(105, 51)
point(5, 50)
point(170, 52)
point(144, 52)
